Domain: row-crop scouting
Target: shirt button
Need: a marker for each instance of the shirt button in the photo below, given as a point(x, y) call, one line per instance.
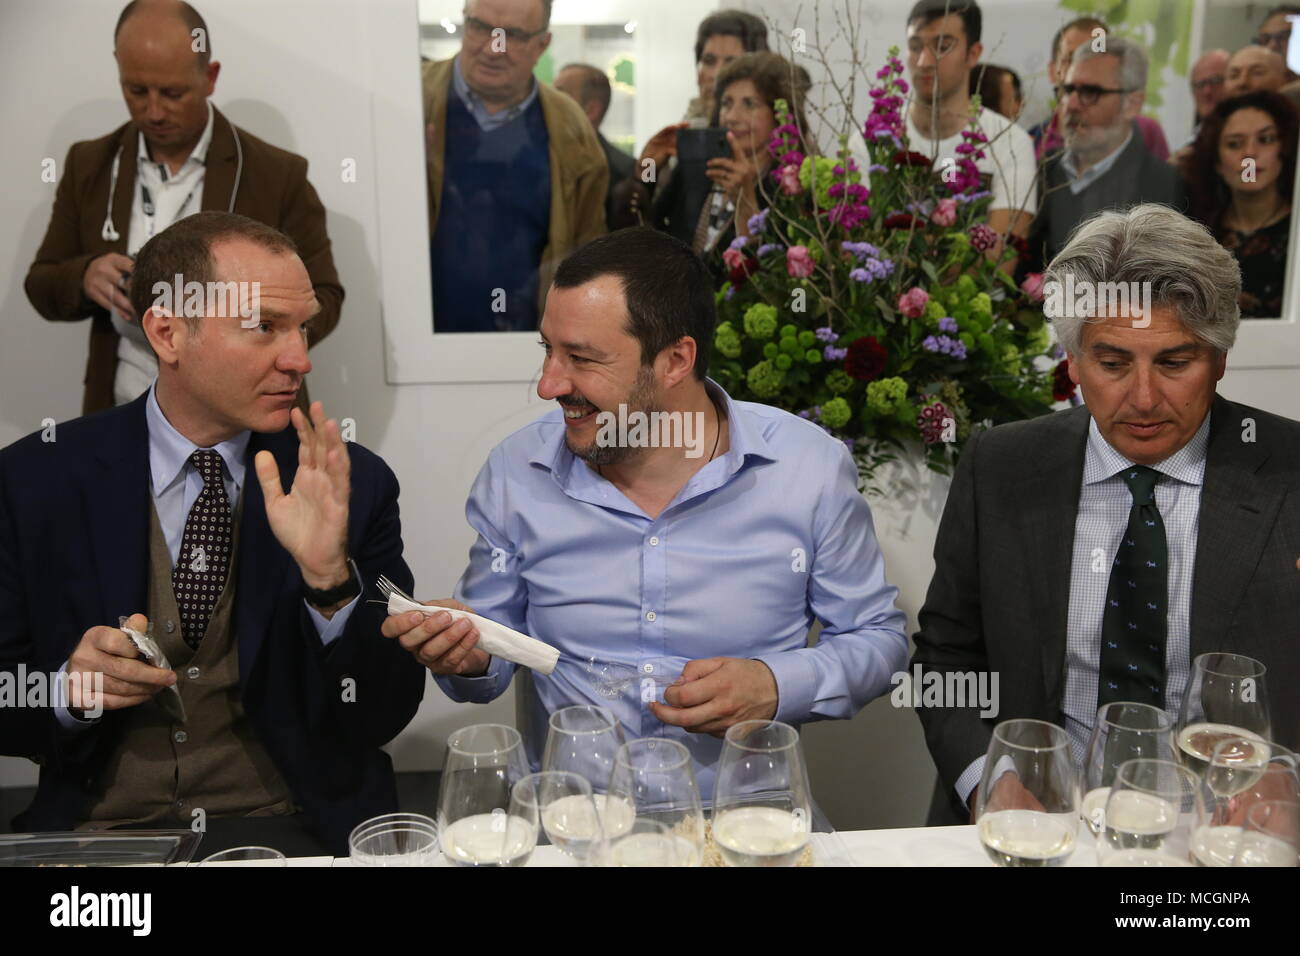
point(654, 541)
point(180, 804)
point(180, 736)
point(171, 626)
point(648, 668)
point(650, 616)
point(192, 673)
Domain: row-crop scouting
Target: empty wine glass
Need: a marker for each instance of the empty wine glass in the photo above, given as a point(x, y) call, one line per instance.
point(475, 824)
point(394, 839)
point(567, 811)
point(654, 776)
point(762, 808)
point(1124, 731)
point(1225, 697)
point(1271, 836)
point(245, 856)
point(1028, 805)
point(1150, 815)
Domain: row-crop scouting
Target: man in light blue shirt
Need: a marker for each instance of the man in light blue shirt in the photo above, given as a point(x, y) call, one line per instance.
point(698, 565)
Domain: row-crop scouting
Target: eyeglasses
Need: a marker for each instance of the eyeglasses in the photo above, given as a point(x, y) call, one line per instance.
point(1207, 83)
point(1266, 39)
point(481, 28)
point(1087, 92)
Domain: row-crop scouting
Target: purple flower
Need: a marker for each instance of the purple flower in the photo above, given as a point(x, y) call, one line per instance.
point(860, 275)
point(731, 290)
point(860, 249)
point(944, 345)
point(758, 222)
point(739, 242)
point(827, 334)
point(948, 324)
point(765, 248)
point(832, 354)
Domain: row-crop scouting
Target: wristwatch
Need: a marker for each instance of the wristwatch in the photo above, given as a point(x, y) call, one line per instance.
point(344, 592)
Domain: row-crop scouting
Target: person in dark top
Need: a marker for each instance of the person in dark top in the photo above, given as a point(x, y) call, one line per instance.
point(1240, 178)
point(589, 88)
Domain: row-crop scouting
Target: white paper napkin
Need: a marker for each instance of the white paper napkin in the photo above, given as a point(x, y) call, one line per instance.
point(496, 639)
point(147, 646)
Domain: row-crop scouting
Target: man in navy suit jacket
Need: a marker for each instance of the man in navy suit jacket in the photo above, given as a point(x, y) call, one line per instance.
point(320, 689)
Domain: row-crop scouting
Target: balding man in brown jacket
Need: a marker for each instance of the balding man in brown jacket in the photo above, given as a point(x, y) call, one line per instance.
point(178, 155)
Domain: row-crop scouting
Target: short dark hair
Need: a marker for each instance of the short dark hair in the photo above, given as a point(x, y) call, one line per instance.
point(667, 287)
point(1084, 23)
point(595, 86)
point(986, 80)
point(745, 27)
point(972, 20)
point(185, 248)
point(1291, 9)
point(188, 16)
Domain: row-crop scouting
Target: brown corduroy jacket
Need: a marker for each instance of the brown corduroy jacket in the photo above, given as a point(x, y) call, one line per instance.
point(272, 189)
point(579, 170)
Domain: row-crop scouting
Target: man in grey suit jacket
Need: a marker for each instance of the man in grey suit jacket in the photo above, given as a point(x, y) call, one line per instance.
point(1040, 512)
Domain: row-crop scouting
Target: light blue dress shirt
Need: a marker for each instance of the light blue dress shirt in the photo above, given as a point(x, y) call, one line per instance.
point(756, 545)
point(474, 103)
point(176, 484)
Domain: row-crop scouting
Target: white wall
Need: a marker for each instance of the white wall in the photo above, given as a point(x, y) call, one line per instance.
point(298, 73)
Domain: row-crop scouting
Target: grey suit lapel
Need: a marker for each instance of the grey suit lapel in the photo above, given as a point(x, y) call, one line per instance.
point(1236, 516)
point(1050, 505)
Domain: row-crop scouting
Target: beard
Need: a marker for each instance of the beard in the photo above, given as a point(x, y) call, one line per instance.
point(640, 399)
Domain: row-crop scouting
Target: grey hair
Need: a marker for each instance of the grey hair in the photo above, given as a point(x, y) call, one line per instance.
point(1132, 60)
point(1186, 268)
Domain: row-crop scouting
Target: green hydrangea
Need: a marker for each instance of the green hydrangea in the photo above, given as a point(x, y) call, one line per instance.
point(812, 356)
point(884, 394)
point(839, 381)
point(934, 310)
point(982, 304)
point(1010, 359)
point(760, 321)
point(836, 413)
point(790, 346)
point(783, 361)
point(950, 393)
point(1039, 339)
point(966, 287)
point(807, 339)
point(825, 173)
point(727, 340)
point(770, 351)
point(765, 379)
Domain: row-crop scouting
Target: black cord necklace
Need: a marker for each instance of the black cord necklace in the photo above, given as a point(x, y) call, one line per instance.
point(716, 438)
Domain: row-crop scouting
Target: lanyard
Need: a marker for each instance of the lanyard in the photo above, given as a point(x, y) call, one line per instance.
point(147, 206)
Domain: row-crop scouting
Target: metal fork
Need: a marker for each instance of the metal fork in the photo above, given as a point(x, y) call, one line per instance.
point(387, 588)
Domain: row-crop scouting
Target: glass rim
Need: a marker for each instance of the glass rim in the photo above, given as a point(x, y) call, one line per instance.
point(1166, 725)
point(683, 755)
point(584, 785)
point(1055, 730)
point(1270, 806)
point(1121, 775)
point(604, 712)
point(753, 724)
point(512, 735)
point(356, 836)
point(1197, 663)
point(269, 853)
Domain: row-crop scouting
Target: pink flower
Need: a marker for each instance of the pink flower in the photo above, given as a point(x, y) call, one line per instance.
point(945, 212)
point(798, 262)
point(1033, 286)
point(790, 184)
point(733, 258)
point(912, 302)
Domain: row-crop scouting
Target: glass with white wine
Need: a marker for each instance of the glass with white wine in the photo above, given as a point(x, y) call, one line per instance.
point(563, 804)
point(1271, 836)
point(584, 739)
point(1150, 815)
point(477, 823)
point(1225, 697)
point(1242, 772)
point(1124, 731)
point(654, 777)
point(762, 806)
point(1027, 812)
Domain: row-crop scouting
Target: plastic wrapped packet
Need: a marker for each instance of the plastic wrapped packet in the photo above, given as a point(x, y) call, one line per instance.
point(170, 698)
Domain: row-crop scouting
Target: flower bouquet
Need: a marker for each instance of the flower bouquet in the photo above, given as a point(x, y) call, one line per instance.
point(881, 314)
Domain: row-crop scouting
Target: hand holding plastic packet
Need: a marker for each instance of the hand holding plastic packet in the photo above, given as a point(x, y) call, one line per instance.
point(170, 700)
point(496, 639)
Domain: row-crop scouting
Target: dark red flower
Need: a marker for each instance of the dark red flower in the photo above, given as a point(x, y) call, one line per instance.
point(1062, 387)
point(903, 220)
point(1019, 243)
point(740, 273)
point(906, 157)
point(866, 359)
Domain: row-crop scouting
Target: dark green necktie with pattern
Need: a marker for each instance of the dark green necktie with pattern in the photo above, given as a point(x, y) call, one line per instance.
point(1134, 624)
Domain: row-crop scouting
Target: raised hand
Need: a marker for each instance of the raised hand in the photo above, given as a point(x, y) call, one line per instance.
point(311, 521)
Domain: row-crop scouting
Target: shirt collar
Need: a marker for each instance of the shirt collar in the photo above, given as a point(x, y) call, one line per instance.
point(1102, 461)
point(1096, 169)
point(475, 103)
point(169, 450)
point(198, 155)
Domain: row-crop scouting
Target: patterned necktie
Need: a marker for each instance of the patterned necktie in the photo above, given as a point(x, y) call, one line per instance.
point(1134, 625)
point(204, 559)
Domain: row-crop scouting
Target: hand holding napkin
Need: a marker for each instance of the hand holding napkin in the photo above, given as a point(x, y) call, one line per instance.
point(496, 639)
point(170, 699)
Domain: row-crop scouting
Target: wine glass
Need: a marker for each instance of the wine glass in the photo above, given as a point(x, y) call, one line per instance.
point(394, 839)
point(475, 825)
point(584, 739)
point(1271, 836)
point(563, 804)
point(1225, 697)
point(1242, 772)
point(648, 843)
point(245, 856)
point(762, 809)
point(1150, 815)
point(654, 776)
point(1028, 805)
point(1124, 731)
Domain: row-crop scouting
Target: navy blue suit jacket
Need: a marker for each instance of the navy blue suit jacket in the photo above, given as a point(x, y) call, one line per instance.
point(74, 553)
